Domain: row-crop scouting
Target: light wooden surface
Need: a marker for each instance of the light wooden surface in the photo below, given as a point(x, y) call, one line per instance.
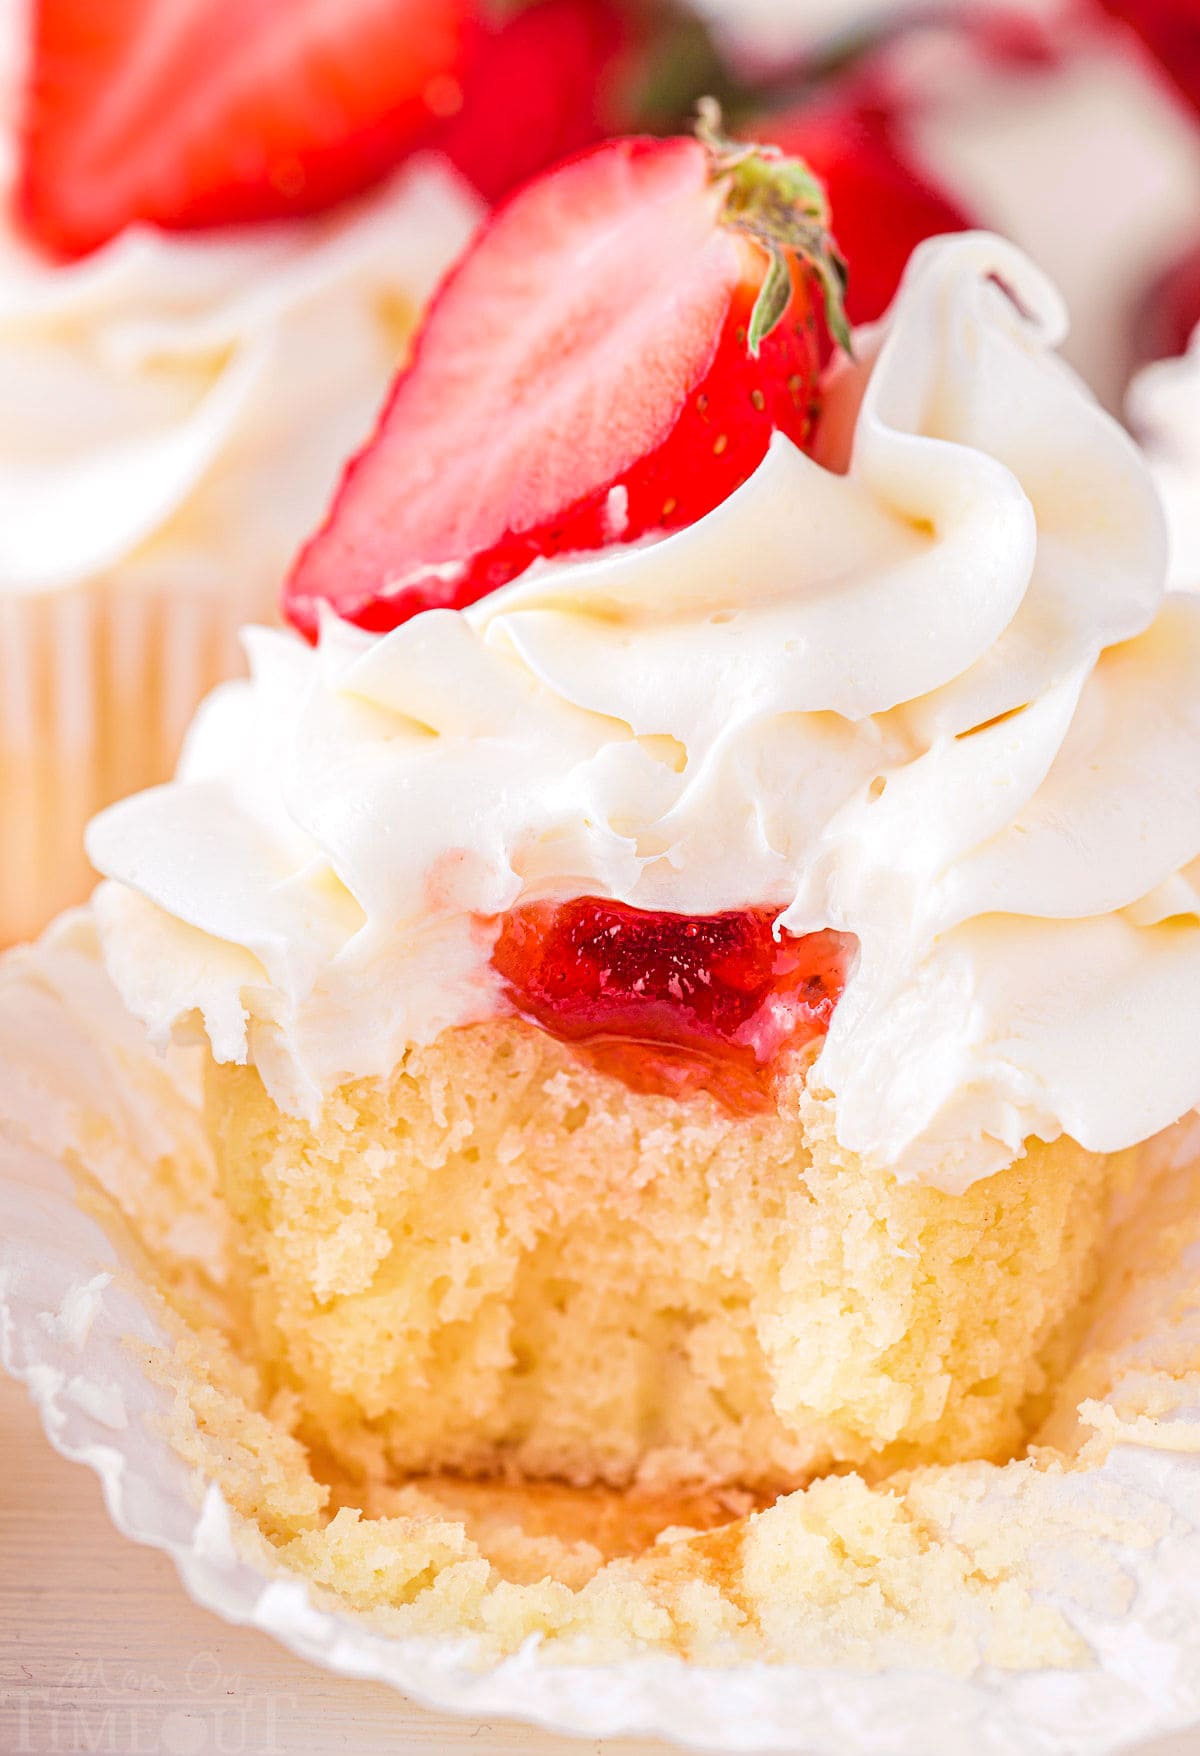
point(101, 1650)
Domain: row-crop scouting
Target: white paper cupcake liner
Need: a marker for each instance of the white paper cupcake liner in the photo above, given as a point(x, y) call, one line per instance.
point(1115, 1549)
point(98, 683)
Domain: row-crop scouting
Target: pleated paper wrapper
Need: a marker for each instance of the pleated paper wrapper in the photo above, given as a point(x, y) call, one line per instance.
point(97, 685)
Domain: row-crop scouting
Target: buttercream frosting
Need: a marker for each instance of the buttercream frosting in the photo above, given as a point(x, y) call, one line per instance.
point(923, 688)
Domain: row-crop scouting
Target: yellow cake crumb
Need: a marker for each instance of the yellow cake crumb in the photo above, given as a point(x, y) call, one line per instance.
point(503, 1262)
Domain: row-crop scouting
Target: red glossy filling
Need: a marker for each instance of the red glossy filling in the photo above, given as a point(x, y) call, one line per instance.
point(673, 1003)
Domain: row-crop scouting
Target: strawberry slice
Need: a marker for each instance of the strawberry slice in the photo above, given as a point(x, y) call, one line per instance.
point(609, 359)
point(203, 112)
point(885, 204)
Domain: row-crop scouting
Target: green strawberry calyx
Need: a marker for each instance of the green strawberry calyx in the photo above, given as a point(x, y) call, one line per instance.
point(779, 203)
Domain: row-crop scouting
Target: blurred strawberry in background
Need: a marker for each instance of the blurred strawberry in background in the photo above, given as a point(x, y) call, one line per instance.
point(1170, 29)
point(885, 203)
point(198, 113)
point(553, 77)
point(193, 113)
point(1171, 309)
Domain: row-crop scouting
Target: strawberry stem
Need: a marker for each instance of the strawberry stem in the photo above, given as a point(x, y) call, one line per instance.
point(779, 203)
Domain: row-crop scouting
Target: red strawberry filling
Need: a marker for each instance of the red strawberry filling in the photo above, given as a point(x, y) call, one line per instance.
point(673, 1003)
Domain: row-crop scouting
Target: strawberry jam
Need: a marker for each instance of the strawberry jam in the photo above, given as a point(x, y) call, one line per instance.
point(673, 1003)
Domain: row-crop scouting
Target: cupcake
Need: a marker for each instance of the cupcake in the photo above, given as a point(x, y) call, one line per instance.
point(177, 405)
point(689, 957)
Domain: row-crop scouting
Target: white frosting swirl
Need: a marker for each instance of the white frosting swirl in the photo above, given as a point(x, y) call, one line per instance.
point(181, 405)
point(925, 690)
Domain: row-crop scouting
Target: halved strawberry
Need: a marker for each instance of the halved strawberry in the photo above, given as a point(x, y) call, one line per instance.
point(884, 202)
point(610, 358)
point(202, 112)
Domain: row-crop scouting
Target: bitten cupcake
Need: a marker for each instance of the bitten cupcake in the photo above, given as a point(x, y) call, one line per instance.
point(176, 405)
point(679, 1016)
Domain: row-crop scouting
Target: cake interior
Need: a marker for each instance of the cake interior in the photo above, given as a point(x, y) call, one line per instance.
point(502, 1264)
